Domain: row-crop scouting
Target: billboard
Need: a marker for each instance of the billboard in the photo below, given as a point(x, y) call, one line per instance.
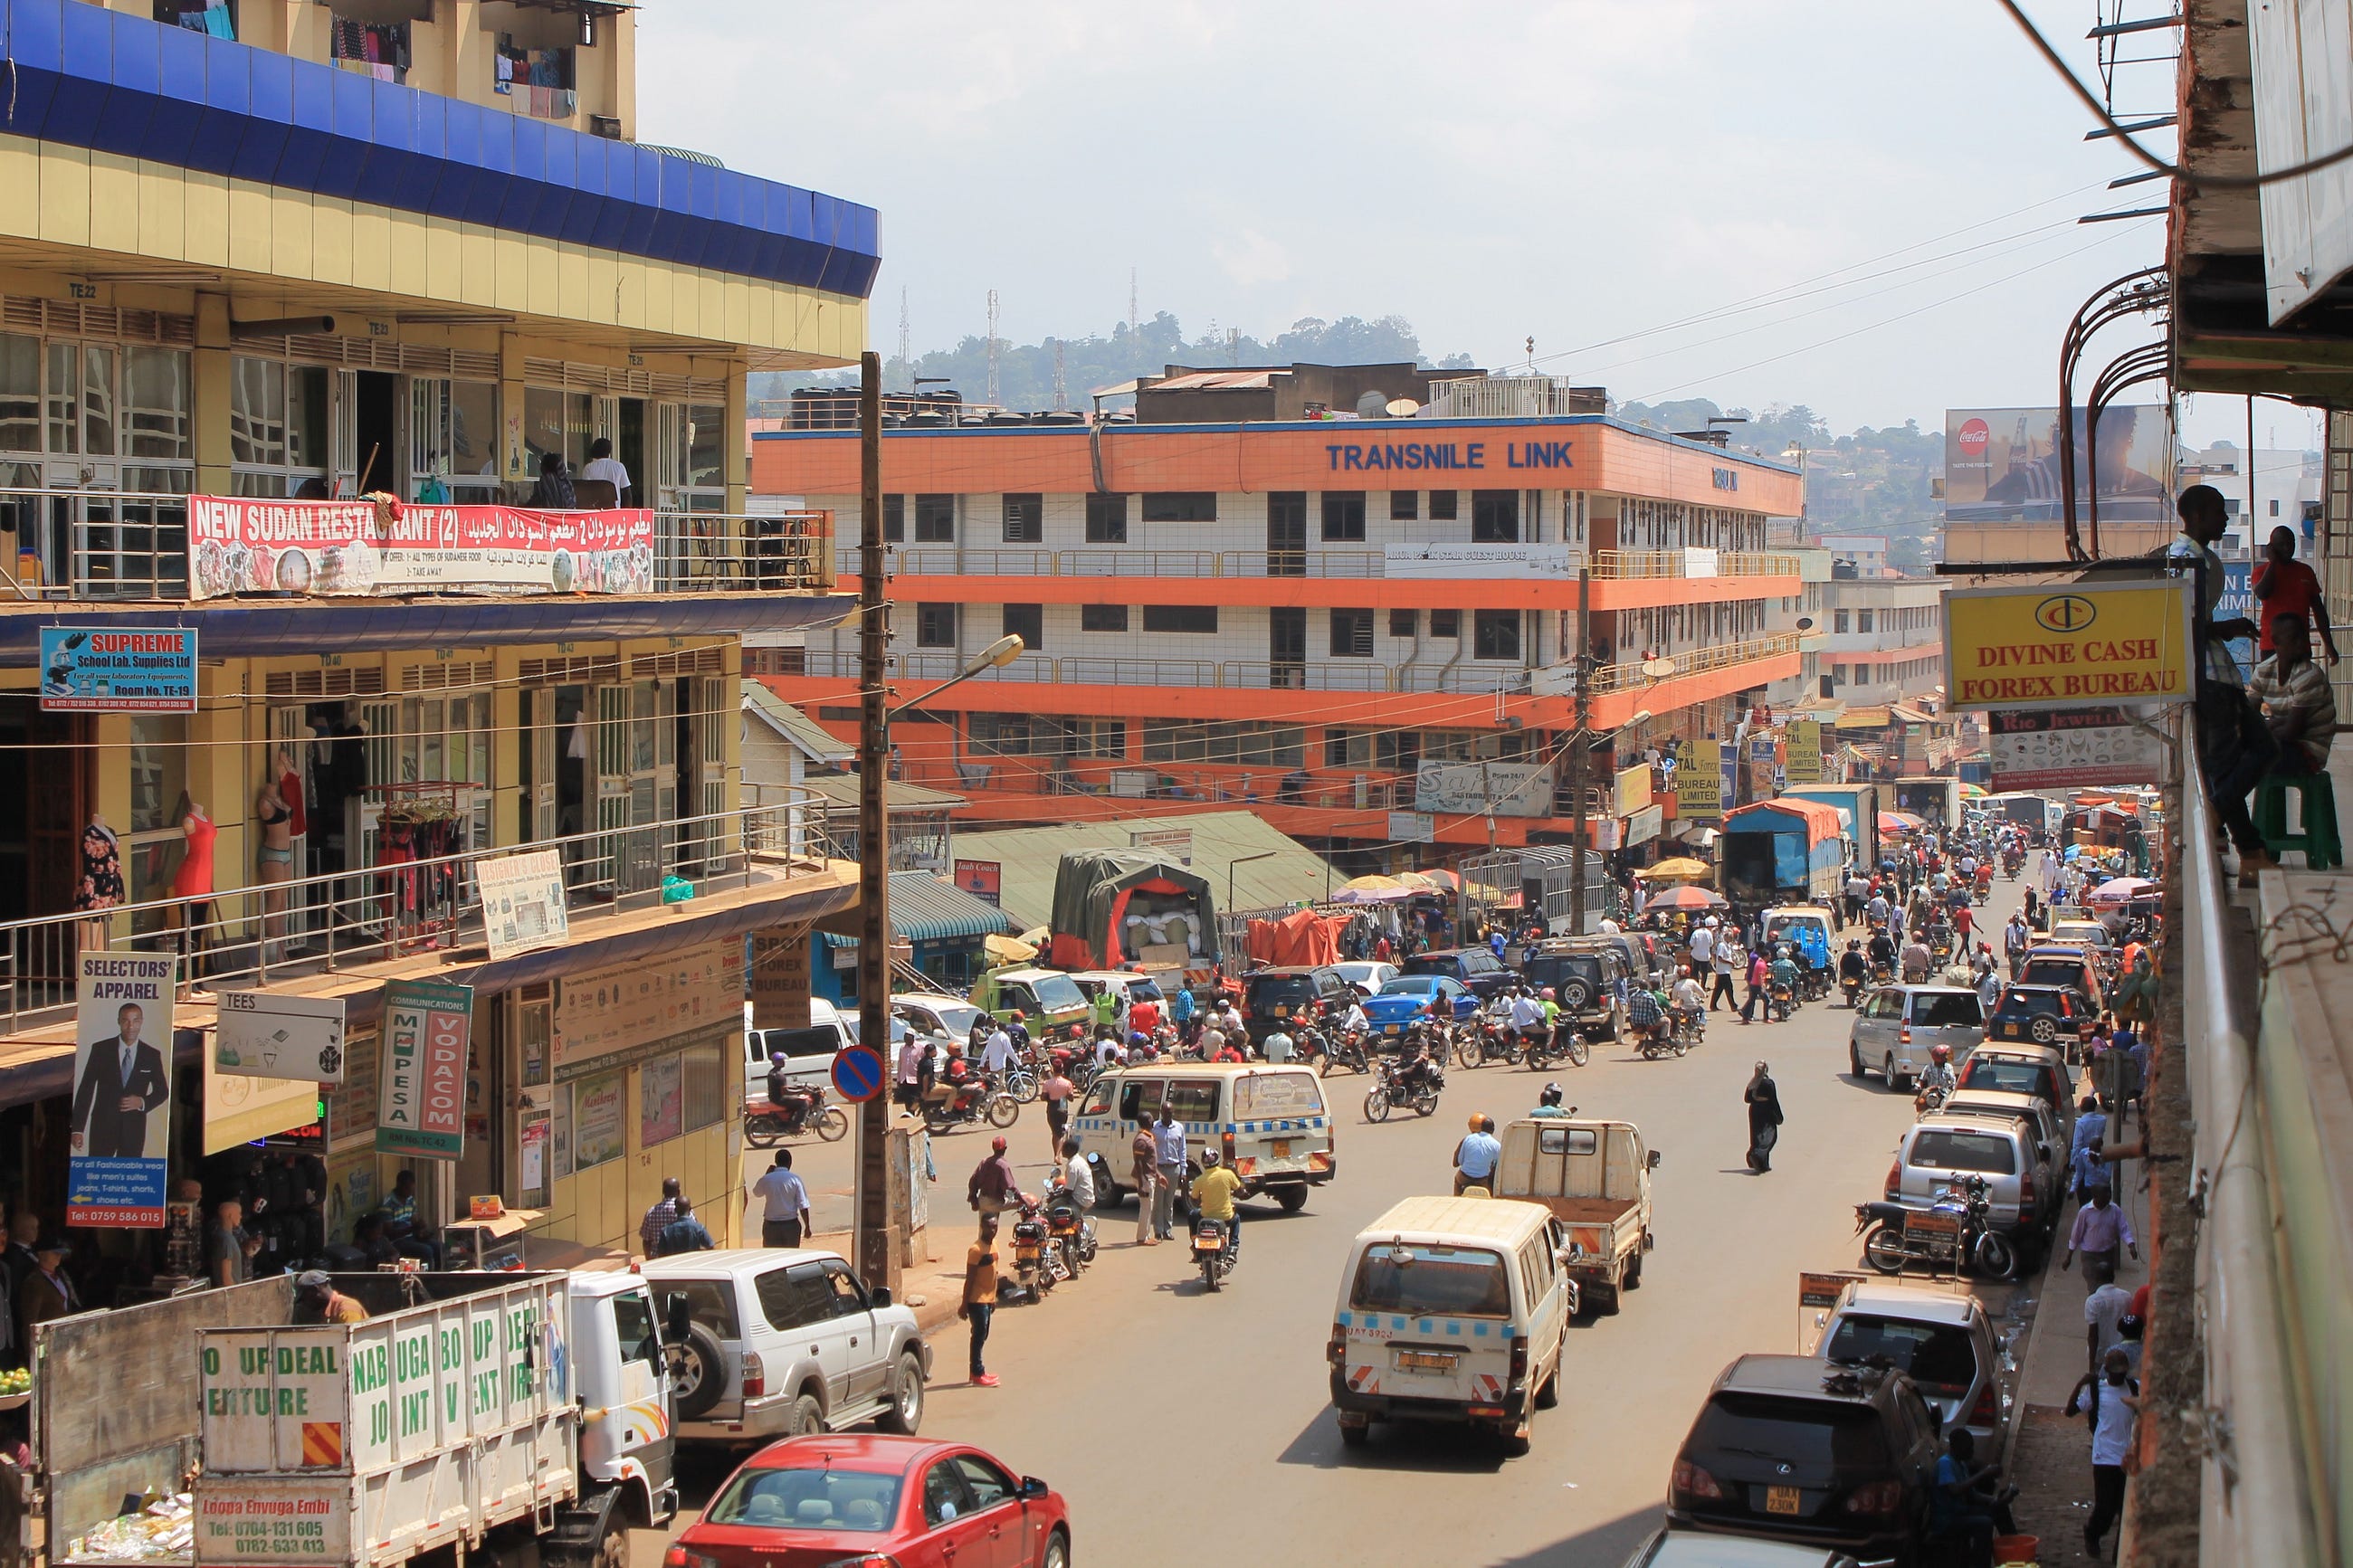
point(2052, 647)
point(2002, 464)
point(119, 669)
point(984, 879)
point(2073, 748)
point(1699, 783)
point(120, 1137)
point(1483, 789)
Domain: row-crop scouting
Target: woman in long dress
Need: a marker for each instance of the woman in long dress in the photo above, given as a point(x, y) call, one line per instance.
point(1764, 1118)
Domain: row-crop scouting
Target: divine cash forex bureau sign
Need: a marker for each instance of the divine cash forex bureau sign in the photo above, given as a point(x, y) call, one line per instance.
point(2069, 645)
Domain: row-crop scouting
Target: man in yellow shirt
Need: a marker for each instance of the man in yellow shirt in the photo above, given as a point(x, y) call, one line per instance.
point(1213, 1192)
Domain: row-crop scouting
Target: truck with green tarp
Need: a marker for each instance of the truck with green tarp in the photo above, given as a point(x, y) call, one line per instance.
point(1115, 910)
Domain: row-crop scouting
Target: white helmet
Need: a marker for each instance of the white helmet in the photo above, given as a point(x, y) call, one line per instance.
point(1711, 921)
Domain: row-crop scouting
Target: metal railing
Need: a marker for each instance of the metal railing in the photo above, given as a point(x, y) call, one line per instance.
point(113, 545)
point(1270, 784)
point(1628, 676)
point(234, 939)
point(1623, 563)
point(1234, 674)
point(1120, 561)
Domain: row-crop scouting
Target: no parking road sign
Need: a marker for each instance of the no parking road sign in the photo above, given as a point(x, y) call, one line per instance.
point(857, 1072)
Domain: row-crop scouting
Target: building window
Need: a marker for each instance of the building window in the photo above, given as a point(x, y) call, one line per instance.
point(1496, 516)
point(1102, 618)
point(935, 519)
point(775, 661)
point(1495, 633)
point(1027, 622)
point(1106, 520)
point(1352, 634)
point(1037, 735)
point(1442, 504)
point(1347, 747)
point(1024, 520)
point(1344, 515)
point(1181, 506)
point(1180, 619)
point(1401, 622)
point(1839, 620)
point(1863, 620)
point(277, 425)
point(935, 626)
point(894, 519)
point(1404, 505)
point(1446, 623)
point(1257, 745)
point(1099, 738)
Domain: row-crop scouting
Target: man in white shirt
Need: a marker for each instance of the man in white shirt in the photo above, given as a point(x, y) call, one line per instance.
point(603, 465)
point(1527, 1015)
point(1356, 1020)
point(1277, 1047)
point(1109, 1052)
point(997, 1055)
point(1076, 1175)
point(785, 1219)
point(2102, 1310)
point(1703, 948)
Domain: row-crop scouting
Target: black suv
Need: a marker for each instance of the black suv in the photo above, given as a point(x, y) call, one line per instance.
point(1797, 1449)
point(2042, 1016)
point(1475, 967)
point(1583, 980)
point(1271, 998)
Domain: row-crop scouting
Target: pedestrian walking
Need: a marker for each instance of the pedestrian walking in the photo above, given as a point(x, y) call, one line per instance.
point(992, 1189)
point(2105, 1310)
point(1725, 951)
point(1764, 1102)
point(1760, 974)
point(980, 1298)
point(1144, 1169)
point(784, 1212)
point(2110, 1400)
point(686, 1233)
point(1169, 1154)
point(657, 1218)
point(1056, 1092)
point(2084, 1148)
point(915, 1054)
point(2100, 1228)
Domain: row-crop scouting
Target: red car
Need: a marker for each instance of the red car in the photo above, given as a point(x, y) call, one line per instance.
point(863, 1500)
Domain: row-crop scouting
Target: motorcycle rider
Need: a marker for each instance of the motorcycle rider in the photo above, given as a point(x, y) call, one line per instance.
point(1414, 1067)
point(1883, 950)
point(1784, 973)
point(1917, 962)
point(1643, 1015)
point(1937, 1074)
point(1528, 1019)
point(1213, 1192)
point(1549, 1102)
point(1852, 965)
point(1690, 1000)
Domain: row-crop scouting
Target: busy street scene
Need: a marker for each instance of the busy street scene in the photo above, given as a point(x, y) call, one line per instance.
point(733, 834)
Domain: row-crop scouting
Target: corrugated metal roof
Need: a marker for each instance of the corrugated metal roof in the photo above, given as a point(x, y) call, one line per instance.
point(1216, 381)
point(898, 794)
point(924, 908)
point(1291, 874)
point(815, 743)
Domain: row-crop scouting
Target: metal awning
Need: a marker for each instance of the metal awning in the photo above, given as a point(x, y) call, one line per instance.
point(925, 909)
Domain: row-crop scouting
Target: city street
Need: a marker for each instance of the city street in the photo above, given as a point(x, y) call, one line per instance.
point(1164, 1412)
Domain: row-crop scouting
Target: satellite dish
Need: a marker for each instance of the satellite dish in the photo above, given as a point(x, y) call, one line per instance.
point(1403, 408)
point(1373, 404)
point(1657, 668)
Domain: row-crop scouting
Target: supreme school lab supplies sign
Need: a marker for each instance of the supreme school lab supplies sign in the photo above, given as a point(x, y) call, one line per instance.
point(120, 1134)
point(122, 669)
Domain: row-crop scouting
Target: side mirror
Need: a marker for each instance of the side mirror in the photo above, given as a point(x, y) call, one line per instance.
point(879, 1295)
point(1652, 1162)
point(1031, 1487)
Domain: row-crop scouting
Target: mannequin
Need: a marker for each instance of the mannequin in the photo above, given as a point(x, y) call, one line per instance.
point(275, 854)
point(194, 880)
point(100, 887)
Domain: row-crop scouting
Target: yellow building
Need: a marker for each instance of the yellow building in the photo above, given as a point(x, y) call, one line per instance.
point(413, 253)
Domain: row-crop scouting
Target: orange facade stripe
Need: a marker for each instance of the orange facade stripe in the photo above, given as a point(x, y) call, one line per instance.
point(1348, 592)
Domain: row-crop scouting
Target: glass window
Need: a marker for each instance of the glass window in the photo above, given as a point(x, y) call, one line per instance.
point(1344, 515)
point(706, 459)
point(1194, 1098)
point(794, 1298)
point(633, 1329)
point(1433, 1281)
point(308, 433)
point(894, 517)
point(1496, 634)
point(63, 402)
point(473, 428)
point(1348, 748)
point(1807, 1432)
point(159, 760)
point(945, 1494)
point(990, 1486)
point(1027, 622)
point(848, 1294)
point(158, 405)
point(1446, 623)
point(1495, 516)
point(1181, 506)
point(1442, 504)
point(1402, 622)
point(1102, 618)
point(935, 519)
point(1107, 519)
point(98, 400)
point(20, 392)
point(935, 626)
point(1025, 519)
point(1939, 1148)
point(1180, 619)
point(1352, 634)
point(1404, 505)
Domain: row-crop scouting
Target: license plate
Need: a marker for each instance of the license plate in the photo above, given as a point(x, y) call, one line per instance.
point(1391, 1029)
point(1208, 1244)
point(1425, 1361)
point(1283, 1009)
point(1282, 1148)
point(1934, 1224)
point(1781, 1499)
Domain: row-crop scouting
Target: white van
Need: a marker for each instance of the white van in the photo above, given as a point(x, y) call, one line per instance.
point(809, 1053)
point(1269, 1123)
point(1453, 1309)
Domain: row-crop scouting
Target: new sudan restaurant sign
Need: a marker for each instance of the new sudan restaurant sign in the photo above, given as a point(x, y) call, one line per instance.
point(2071, 645)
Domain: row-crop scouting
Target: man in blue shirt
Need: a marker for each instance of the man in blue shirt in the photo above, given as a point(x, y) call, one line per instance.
point(684, 1233)
point(1959, 1509)
point(1476, 1157)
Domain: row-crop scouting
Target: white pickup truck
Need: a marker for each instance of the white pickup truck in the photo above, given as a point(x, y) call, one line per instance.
point(1595, 1177)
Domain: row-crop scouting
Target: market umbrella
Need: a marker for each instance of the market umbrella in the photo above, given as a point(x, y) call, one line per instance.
point(1898, 821)
point(1419, 882)
point(2121, 889)
point(1689, 898)
point(1682, 869)
point(1002, 948)
point(1372, 894)
point(1972, 792)
point(1445, 881)
point(1037, 936)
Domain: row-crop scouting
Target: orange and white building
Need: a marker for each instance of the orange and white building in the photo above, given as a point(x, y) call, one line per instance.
point(1367, 627)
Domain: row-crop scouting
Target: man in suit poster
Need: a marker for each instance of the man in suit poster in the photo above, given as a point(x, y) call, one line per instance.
point(121, 1133)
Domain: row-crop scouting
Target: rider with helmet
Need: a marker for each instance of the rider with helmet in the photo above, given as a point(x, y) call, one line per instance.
point(1549, 1102)
point(1938, 1074)
point(1213, 1192)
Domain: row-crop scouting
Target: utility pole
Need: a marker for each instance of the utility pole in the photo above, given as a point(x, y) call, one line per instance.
point(906, 341)
point(1583, 678)
point(874, 1257)
point(1062, 395)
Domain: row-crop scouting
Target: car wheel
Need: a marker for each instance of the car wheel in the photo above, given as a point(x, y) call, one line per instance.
point(1058, 1552)
point(1853, 1062)
point(1549, 1394)
point(1515, 1442)
point(807, 1417)
point(1356, 1435)
point(1293, 1199)
point(1887, 1069)
point(906, 1411)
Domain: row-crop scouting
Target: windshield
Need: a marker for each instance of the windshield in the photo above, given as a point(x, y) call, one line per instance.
point(1809, 1432)
point(1946, 1010)
point(1433, 1282)
point(711, 1302)
point(1266, 1095)
point(2009, 1077)
point(1055, 992)
point(954, 1020)
point(1269, 989)
point(1946, 1150)
point(1411, 985)
point(2054, 971)
point(827, 1499)
point(1941, 1357)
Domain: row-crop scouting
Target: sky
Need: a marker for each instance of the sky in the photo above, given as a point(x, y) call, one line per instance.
point(1864, 206)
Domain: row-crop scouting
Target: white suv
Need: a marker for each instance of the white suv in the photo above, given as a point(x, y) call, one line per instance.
point(780, 1342)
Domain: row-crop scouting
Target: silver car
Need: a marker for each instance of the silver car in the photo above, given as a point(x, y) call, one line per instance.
point(1896, 1025)
point(1941, 1339)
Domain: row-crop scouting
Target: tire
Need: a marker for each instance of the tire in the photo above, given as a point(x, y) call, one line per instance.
point(1579, 1053)
point(1021, 1086)
point(1515, 1053)
point(1634, 1272)
point(1887, 1069)
point(1996, 1255)
point(1680, 1046)
point(1604, 1299)
point(613, 1551)
point(1209, 1275)
point(762, 1131)
point(1548, 1395)
point(1058, 1552)
point(1574, 995)
point(1377, 1105)
point(906, 1411)
point(1854, 1069)
point(833, 1126)
point(1355, 1437)
point(1516, 1445)
point(806, 1419)
point(1292, 1199)
point(1882, 1251)
point(1003, 1110)
point(1466, 1053)
point(2044, 1031)
point(703, 1362)
point(1425, 1104)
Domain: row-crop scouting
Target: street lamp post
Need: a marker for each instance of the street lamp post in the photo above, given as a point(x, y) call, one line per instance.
point(1264, 855)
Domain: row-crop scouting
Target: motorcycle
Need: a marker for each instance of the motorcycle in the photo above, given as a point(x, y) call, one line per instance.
point(1487, 1040)
point(1691, 1027)
point(1931, 1100)
point(767, 1122)
point(1956, 1227)
point(1021, 1082)
point(1563, 1043)
point(1882, 972)
point(1345, 1053)
point(1662, 1040)
point(1780, 1003)
point(955, 1105)
point(1032, 1277)
point(1813, 983)
point(2012, 864)
point(1071, 1231)
point(1213, 1250)
point(1393, 1092)
point(1851, 985)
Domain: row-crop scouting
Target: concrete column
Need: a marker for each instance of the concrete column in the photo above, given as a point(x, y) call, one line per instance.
point(511, 459)
point(210, 367)
point(736, 453)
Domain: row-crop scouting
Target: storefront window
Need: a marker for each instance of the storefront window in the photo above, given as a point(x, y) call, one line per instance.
point(597, 1105)
point(158, 763)
point(20, 392)
point(706, 1085)
point(662, 1110)
point(64, 399)
point(158, 408)
point(556, 422)
point(278, 424)
point(706, 460)
point(98, 400)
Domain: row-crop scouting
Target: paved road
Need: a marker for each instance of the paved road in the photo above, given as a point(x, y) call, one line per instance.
point(1165, 1413)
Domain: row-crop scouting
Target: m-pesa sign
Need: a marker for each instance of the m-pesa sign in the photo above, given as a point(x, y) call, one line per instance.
point(2071, 645)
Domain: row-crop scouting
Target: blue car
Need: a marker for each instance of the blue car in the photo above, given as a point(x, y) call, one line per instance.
point(1411, 999)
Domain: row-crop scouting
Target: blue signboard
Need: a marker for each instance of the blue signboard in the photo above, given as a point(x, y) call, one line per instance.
point(119, 669)
point(857, 1072)
point(2239, 600)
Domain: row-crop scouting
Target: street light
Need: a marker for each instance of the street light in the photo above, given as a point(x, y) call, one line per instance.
point(1265, 854)
point(995, 655)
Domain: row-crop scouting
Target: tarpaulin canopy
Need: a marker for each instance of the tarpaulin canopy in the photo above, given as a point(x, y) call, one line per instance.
point(1898, 821)
point(1091, 897)
point(1817, 819)
point(1301, 937)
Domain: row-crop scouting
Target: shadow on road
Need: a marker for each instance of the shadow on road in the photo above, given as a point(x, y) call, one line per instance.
point(1422, 1446)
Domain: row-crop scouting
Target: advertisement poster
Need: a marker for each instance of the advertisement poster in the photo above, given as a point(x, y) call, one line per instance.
point(1629, 791)
point(522, 900)
point(642, 1003)
point(421, 1069)
point(2085, 644)
point(984, 879)
point(2073, 748)
point(122, 669)
point(1483, 789)
point(661, 1096)
point(1699, 783)
point(121, 1131)
point(597, 1104)
point(1803, 744)
point(249, 545)
point(267, 1034)
point(351, 1104)
point(1433, 562)
point(2003, 464)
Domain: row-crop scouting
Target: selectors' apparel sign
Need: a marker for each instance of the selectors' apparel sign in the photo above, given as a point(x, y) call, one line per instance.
point(2024, 648)
point(119, 1138)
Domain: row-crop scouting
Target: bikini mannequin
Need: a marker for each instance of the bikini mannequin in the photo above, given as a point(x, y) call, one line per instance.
point(275, 855)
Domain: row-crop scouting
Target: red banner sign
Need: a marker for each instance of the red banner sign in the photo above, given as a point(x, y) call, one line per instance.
point(246, 545)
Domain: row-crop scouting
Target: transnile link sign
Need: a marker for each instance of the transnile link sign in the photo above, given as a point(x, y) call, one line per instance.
point(2069, 646)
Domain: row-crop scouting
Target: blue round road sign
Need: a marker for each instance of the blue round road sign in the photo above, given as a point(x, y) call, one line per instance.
point(857, 1072)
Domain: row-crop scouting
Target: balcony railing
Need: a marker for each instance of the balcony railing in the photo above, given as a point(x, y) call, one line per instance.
point(235, 938)
point(1234, 674)
point(1269, 784)
point(119, 546)
point(1623, 563)
point(1119, 560)
point(1630, 676)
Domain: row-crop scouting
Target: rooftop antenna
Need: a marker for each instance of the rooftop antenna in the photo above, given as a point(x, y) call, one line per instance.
point(906, 355)
point(1061, 397)
point(1532, 355)
point(992, 348)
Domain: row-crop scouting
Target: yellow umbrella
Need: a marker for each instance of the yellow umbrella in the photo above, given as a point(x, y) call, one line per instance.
point(1001, 949)
point(1418, 883)
point(1682, 868)
point(1374, 884)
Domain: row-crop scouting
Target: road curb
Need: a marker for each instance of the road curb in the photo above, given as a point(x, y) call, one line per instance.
point(2017, 1418)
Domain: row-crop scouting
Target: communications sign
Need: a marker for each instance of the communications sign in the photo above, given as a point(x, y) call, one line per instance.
point(421, 1056)
point(2069, 644)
